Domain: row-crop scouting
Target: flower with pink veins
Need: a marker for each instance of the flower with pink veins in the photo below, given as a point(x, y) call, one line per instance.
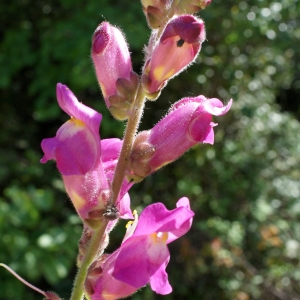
point(188, 123)
point(143, 255)
point(177, 48)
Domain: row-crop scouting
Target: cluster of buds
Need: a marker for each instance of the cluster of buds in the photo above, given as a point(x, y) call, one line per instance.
point(89, 165)
point(158, 12)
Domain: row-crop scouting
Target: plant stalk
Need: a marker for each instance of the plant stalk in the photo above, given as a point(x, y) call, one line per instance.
point(129, 135)
point(89, 257)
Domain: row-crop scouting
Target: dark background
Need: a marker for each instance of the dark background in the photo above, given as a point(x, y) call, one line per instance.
point(245, 239)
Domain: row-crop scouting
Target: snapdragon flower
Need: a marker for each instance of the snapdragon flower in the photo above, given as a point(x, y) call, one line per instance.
point(143, 255)
point(176, 49)
point(188, 123)
point(85, 169)
point(76, 146)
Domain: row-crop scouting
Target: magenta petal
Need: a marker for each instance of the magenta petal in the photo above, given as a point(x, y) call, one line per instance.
point(124, 207)
point(48, 146)
point(110, 149)
point(210, 137)
point(106, 286)
point(156, 218)
point(159, 281)
point(199, 127)
point(74, 148)
point(139, 259)
point(69, 104)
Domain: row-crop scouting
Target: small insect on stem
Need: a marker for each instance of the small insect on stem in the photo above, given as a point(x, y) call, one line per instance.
point(180, 43)
point(111, 213)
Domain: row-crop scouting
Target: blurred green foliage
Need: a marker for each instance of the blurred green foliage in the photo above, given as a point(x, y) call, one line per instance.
point(245, 240)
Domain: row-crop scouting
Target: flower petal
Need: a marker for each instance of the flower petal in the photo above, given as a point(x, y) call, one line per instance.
point(110, 149)
point(159, 281)
point(139, 258)
point(74, 148)
point(156, 218)
point(70, 105)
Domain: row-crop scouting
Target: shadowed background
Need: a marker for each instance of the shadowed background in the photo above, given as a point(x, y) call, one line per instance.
point(245, 239)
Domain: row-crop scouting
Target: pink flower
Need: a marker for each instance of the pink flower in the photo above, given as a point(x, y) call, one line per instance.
point(143, 255)
point(188, 123)
point(113, 67)
point(90, 193)
point(177, 47)
point(86, 171)
point(76, 146)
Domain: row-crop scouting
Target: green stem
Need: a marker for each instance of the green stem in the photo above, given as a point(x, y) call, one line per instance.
point(92, 250)
point(130, 132)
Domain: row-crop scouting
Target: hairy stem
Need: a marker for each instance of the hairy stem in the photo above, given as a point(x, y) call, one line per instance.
point(89, 257)
point(130, 132)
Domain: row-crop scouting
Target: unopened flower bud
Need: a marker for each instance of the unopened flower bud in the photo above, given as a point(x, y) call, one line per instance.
point(177, 48)
point(156, 12)
point(113, 67)
point(191, 6)
point(188, 123)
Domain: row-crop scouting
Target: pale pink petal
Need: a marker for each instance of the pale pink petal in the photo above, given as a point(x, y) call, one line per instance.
point(124, 207)
point(215, 107)
point(159, 281)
